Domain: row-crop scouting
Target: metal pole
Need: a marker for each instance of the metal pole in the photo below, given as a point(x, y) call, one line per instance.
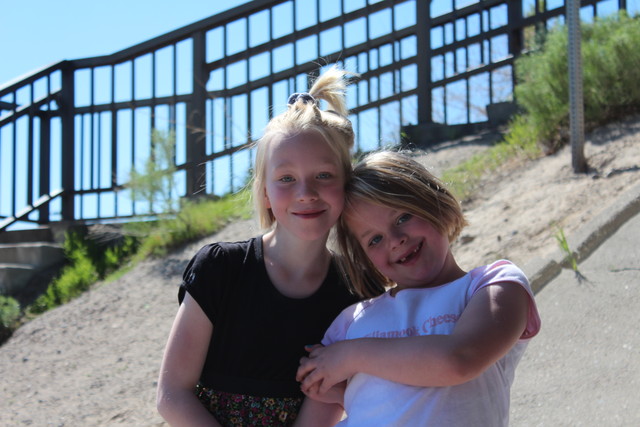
point(576, 103)
point(67, 110)
point(423, 29)
point(45, 164)
point(196, 110)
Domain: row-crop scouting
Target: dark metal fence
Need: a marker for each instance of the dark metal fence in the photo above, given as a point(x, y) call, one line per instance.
point(71, 134)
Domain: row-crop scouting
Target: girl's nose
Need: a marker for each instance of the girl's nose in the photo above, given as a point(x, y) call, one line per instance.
point(307, 192)
point(398, 239)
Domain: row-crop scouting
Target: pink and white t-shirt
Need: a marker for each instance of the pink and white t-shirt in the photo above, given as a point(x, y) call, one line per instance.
point(483, 401)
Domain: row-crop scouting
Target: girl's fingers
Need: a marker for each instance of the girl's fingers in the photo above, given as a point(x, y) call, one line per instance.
point(315, 384)
point(312, 391)
point(304, 369)
point(312, 381)
point(311, 347)
point(324, 387)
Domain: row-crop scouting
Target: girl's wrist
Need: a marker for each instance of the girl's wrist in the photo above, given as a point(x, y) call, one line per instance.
point(356, 360)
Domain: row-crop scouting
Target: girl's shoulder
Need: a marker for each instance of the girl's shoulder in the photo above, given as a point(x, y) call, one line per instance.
point(337, 331)
point(498, 271)
point(359, 308)
point(215, 268)
point(501, 271)
point(504, 271)
point(226, 248)
point(224, 254)
point(218, 258)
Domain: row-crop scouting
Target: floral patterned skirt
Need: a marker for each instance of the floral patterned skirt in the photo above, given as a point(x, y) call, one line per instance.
point(231, 409)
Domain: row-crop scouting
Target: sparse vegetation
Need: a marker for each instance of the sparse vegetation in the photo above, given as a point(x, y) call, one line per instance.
point(570, 258)
point(519, 142)
point(195, 220)
point(156, 184)
point(611, 61)
point(85, 267)
point(90, 261)
point(9, 315)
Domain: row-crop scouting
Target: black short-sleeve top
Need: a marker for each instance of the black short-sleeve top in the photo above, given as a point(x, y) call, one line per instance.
point(258, 334)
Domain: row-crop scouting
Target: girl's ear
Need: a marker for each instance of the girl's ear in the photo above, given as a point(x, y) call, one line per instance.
point(267, 203)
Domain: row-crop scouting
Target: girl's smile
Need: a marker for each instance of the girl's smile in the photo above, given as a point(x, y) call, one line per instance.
point(412, 256)
point(309, 214)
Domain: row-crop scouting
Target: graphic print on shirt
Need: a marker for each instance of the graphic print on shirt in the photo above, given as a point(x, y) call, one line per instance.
point(425, 328)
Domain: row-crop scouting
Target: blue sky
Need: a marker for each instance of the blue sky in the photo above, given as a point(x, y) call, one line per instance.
point(36, 33)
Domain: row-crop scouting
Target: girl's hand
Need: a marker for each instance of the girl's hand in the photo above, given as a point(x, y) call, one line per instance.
point(325, 368)
point(334, 395)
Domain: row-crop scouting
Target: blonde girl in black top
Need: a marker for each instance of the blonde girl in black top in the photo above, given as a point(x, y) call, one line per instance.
point(248, 308)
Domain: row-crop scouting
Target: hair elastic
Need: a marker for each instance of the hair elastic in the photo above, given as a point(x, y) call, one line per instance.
point(304, 96)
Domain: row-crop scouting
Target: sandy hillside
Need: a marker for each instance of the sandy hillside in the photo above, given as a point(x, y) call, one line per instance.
point(94, 361)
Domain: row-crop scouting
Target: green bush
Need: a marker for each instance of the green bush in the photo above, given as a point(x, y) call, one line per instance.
point(114, 256)
point(74, 279)
point(9, 315)
point(612, 68)
point(9, 311)
point(611, 64)
point(88, 263)
point(195, 220)
point(610, 61)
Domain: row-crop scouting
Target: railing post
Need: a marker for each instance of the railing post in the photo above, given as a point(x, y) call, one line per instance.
point(423, 28)
point(576, 103)
point(196, 124)
point(44, 185)
point(67, 107)
point(515, 27)
point(516, 43)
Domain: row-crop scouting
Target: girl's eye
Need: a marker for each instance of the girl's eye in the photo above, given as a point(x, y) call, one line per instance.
point(324, 175)
point(375, 240)
point(286, 179)
point(403, 218)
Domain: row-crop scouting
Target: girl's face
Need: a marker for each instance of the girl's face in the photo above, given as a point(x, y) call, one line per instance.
point(405, 248)
point(304, 185)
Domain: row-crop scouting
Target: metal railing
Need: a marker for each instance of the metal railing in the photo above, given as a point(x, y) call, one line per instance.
point(71, 133)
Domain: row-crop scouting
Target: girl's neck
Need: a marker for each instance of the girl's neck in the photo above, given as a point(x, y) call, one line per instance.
point(296, 267)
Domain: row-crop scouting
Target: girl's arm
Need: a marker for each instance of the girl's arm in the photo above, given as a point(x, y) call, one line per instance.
point(182, 364)
point(318, 414)
point(490, 325)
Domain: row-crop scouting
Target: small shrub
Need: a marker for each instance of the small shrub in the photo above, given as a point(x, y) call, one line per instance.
point(89, 261)
point(156, 184)
point(195, 220)
point(610, 64)
point(9, 315)
point(74, 279)
point(108, 258)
